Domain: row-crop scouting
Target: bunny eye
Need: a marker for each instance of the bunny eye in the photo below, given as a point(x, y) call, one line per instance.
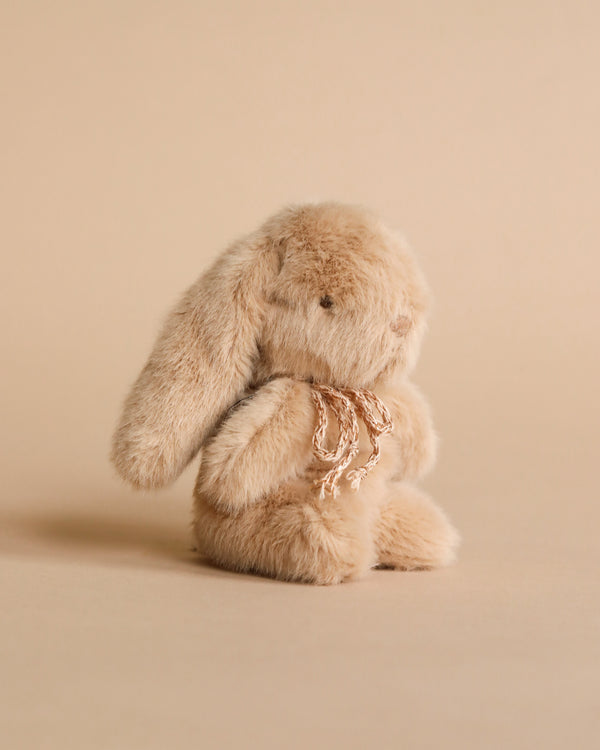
point(326, 302)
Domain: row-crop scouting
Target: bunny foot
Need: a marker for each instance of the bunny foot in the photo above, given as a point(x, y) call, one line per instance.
point(285, 537)
point(412, 533)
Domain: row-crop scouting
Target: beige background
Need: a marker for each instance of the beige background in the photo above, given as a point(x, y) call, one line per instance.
point(136, 140)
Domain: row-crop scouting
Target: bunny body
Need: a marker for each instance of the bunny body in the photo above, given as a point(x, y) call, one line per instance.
point(321, 293)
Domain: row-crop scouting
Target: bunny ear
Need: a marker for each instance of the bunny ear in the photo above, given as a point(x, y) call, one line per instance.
point(200, 365)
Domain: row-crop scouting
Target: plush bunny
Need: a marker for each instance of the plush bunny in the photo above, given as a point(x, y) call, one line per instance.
point(286, 363)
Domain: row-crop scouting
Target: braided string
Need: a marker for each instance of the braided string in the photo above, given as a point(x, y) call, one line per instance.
point(347, 405)
point(347, 446)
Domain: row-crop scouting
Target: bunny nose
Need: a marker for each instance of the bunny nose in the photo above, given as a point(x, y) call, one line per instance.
point(401, 325)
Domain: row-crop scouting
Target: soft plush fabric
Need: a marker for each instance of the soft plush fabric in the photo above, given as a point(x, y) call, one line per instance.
point(320, 294)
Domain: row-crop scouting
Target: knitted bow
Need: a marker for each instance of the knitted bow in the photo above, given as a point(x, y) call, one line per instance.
point(347, 404)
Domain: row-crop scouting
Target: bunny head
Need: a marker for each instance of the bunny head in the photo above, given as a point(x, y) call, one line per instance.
point(322, 292)
point(347, 306)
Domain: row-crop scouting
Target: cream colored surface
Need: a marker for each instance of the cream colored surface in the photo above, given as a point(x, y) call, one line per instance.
point(137, 139)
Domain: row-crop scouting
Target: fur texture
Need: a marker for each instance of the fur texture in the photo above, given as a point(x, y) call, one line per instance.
point(323, 293)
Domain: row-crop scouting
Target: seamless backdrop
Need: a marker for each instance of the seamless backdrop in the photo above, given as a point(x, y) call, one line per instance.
point(136, 140)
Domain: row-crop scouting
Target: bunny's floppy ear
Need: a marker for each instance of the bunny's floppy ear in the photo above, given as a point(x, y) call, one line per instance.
point(200, 365)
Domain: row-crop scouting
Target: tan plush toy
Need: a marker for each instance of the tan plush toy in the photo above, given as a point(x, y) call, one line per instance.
point(286, 364)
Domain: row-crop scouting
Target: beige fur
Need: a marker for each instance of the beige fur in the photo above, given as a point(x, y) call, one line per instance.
point(231, 371)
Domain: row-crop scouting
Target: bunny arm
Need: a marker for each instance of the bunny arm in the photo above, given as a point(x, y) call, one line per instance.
point(266, 441)
point(413, 435)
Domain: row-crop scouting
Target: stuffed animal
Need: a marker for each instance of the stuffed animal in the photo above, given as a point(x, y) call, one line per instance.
point(286, 365)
